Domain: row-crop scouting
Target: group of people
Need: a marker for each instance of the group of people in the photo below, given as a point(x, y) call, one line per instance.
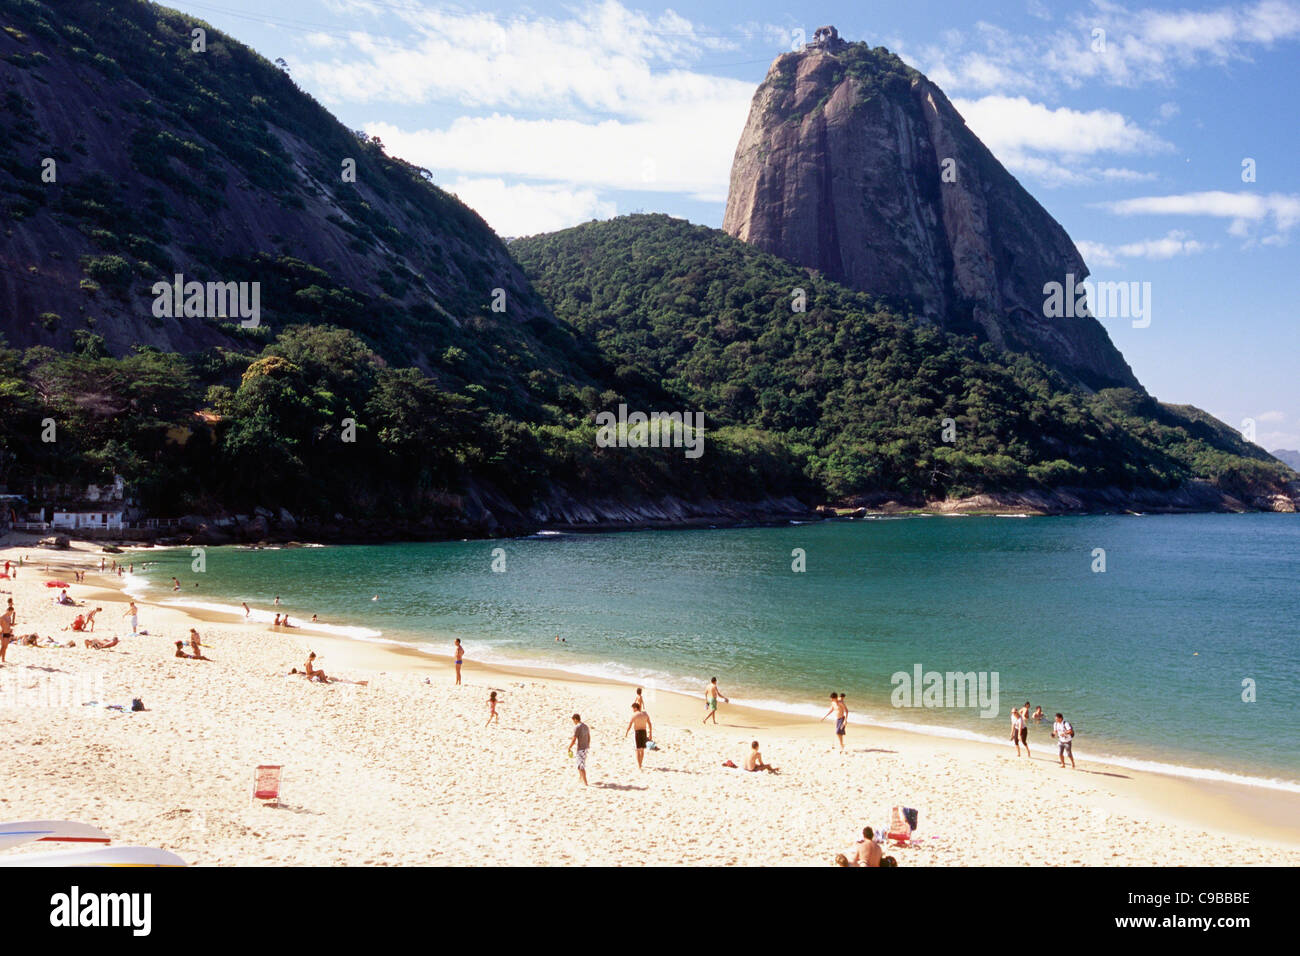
point(1062, 732)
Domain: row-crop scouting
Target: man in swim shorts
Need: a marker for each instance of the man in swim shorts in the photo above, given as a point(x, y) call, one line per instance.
point(711, 695)
point(582, 740)
point(841, 712)
point(640, 722)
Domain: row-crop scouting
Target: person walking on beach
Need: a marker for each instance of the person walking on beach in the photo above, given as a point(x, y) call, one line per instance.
point(582, 741)
point(90, 618)
point(460, 656)
point(640, 701)
point(134, 614)
point(1063, 731)
point(244, 605)
point(1019, 730)
point(841, 712)
point(645, 731)
point(711, 695)
point(492, 706)
point(7, 620)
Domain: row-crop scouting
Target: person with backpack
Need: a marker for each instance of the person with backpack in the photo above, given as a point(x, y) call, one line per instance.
point(1063, 731)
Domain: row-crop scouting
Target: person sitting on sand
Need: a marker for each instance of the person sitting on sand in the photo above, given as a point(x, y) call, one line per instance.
point(196, 645)
point(64, 599)
point(867, 852)
point(101, 645)
point(285, 622)
point(313, 672)
point(196, 656)
point(78, 623)
point(754, 761)
point(277, 621)
point(841, 860)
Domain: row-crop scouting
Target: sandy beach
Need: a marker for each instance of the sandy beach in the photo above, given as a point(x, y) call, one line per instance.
point(403, 771)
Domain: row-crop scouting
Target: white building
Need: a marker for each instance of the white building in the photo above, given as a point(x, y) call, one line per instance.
point(76, 518)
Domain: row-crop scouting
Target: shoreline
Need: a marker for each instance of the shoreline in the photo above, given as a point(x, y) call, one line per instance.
point(1208, 807)
point(780, 711)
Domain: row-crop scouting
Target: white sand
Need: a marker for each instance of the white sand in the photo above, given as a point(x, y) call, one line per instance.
point(404, 772)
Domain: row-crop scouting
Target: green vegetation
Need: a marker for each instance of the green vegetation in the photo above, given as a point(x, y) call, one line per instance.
point(855, 389)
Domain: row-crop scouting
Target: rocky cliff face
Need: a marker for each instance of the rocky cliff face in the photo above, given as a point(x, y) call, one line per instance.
point(856, 165)
point(128, 156)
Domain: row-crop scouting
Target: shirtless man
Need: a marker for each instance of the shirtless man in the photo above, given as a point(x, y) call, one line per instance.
point(645, 731)
point(841, 712)
point(1019, 731)
point(7, 629)
point(313, 672)
point(460, 656)
point(134, 614)
point(755, 760)
point(711, 695)
point(868, 850)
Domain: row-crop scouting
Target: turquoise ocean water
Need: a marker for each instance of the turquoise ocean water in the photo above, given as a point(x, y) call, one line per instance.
point(1147, 659)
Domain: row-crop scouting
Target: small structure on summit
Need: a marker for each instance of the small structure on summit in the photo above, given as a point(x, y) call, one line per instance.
point(827, 38)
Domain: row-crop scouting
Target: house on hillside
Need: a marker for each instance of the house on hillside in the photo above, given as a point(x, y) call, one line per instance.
point(100, 508)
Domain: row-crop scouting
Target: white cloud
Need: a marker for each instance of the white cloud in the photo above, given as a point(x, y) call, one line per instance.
point(682, 151)
point(1173, 244)
point(1247, 211)
point(523, 209)
point(1141, 46)
point(1015, 123)
point(1020, 132)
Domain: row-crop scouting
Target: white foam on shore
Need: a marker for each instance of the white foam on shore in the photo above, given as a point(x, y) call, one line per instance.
point(135, 586)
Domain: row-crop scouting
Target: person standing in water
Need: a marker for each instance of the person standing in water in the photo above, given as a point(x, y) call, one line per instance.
point(711, 695)
point(640, 722)
point(460, 656)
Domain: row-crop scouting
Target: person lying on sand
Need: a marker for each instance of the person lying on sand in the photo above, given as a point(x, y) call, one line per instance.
point(102, 645)
point(754, 761)
point(193, 657)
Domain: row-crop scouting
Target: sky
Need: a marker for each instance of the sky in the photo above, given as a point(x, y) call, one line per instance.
point(1164, 138)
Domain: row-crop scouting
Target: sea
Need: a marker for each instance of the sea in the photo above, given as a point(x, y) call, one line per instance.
point(1170, 642)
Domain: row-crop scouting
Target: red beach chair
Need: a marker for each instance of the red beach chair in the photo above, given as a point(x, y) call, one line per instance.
point(266, 784)
point(900, 831)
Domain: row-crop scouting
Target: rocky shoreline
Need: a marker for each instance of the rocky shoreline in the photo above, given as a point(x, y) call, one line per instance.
point(483, 514)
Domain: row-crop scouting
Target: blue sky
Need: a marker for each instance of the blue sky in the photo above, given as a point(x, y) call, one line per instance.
point(548, 114)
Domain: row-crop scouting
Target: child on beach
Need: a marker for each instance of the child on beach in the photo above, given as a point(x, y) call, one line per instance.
point(134, 614)
point(492, 706)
